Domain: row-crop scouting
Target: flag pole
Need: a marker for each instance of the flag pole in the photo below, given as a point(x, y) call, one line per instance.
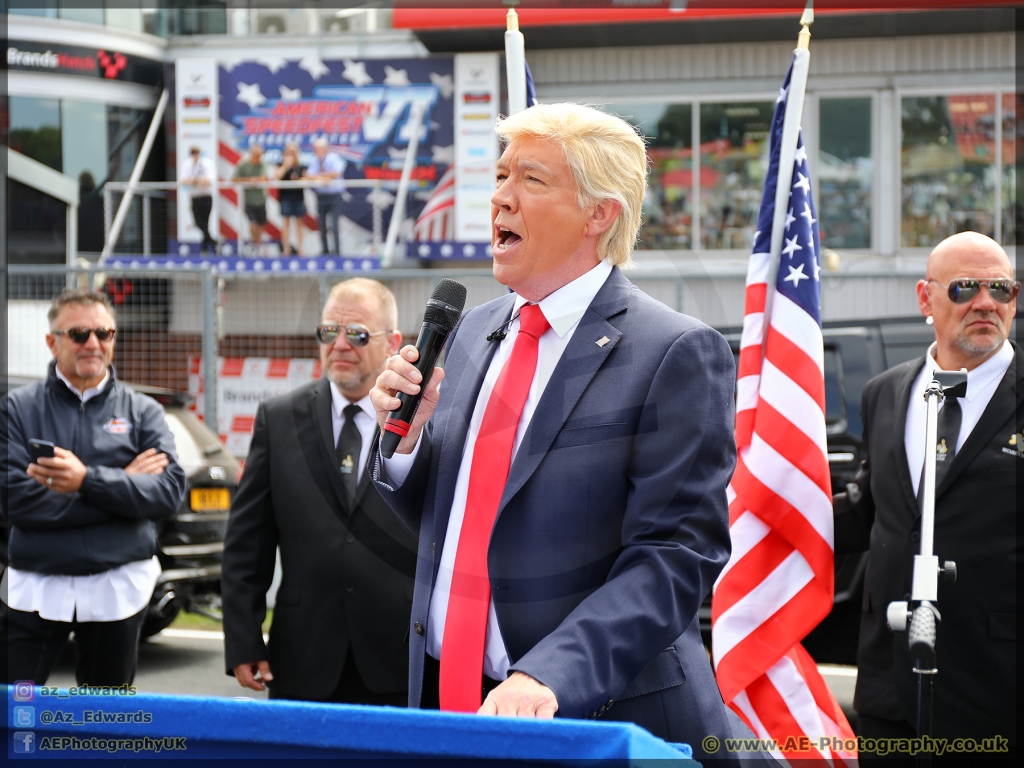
point(787, 152)
point(515, 63)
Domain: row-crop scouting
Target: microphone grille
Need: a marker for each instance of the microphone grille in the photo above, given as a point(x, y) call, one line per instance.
point(446, 303)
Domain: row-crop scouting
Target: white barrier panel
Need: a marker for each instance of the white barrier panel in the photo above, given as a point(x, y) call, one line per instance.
point(242, 384)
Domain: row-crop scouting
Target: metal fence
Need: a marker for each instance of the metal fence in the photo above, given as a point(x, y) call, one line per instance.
point(151, 219)
point(174, 325)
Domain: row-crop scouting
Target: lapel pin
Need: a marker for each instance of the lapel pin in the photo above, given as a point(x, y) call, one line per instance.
point(602, 341)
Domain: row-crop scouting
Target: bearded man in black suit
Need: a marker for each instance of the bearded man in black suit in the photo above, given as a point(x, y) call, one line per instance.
point(342, 610)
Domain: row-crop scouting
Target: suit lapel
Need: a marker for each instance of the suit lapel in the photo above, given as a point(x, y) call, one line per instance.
point(1004, 405)
point(899, 434)
point(320, 404)
point(581, 359)
point(478, 354)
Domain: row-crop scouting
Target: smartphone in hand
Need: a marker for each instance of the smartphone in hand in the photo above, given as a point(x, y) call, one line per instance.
point(38, 448)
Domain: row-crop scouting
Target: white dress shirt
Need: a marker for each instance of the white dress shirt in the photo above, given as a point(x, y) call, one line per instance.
point(108, 596)
point(563, 310)
point(203, 168)
point(981, 385)
point(366, 422)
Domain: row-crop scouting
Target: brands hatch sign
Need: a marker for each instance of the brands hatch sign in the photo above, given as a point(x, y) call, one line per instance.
point(106, 64)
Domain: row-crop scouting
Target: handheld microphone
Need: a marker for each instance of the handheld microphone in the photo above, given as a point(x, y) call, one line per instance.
point(439, 318)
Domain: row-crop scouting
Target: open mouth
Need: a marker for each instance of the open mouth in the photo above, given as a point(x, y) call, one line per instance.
point(506, 239)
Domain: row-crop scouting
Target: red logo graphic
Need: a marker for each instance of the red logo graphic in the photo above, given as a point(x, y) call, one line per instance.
point(196, 101)
point(112, 63)
point(119, 290)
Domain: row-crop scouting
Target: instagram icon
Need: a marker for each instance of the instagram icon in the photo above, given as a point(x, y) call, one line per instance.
point(24, 690)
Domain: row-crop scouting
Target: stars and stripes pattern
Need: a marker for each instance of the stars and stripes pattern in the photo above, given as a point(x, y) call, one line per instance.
point(437, 219)
point(778, 583)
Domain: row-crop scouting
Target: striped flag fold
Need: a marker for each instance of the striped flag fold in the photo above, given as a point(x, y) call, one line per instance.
point(778, 584)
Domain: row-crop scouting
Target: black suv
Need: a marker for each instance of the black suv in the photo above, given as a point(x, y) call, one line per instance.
point(190, 544)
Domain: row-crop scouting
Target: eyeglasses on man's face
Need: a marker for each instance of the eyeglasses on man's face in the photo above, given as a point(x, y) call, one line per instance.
point(356, 335)
point(81, 335)
point(964, 289)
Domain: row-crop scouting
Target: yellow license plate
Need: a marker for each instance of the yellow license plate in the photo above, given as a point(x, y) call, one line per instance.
point(210, 499)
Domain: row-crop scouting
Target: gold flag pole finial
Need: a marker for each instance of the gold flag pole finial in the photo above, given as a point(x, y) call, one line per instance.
point(512, 20)
point(806, 19)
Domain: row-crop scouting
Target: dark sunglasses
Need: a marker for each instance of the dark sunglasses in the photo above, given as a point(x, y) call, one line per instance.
point(356, 335)
point(963, 290)
point(81, 335)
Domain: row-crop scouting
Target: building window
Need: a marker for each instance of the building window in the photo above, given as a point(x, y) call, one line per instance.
point(36, 226)
point(1011, 213)
point(35, 129)
point(947, 167)
point(46, 9)
point(667, 208)
point(733, 162)
point(845, 172)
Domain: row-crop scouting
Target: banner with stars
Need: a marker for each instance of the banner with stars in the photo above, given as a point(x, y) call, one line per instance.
point(362, 107)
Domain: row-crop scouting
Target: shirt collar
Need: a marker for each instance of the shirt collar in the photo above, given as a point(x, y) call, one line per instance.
point(979, 378)
point(564, 307)
point(339, 403)
point(89, 393)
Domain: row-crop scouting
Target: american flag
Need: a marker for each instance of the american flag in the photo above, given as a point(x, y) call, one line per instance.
point(778, 583)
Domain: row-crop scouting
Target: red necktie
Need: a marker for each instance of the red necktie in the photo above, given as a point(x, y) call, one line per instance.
point(465, 625)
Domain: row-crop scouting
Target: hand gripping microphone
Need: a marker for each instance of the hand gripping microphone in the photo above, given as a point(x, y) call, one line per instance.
point(439, 318)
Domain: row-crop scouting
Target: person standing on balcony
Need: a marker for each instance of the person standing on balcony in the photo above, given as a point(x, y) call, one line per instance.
point(293, 204)
point(253, 169)
point(330, 168)
point(199, 175)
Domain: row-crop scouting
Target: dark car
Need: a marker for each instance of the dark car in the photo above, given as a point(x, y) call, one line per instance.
point(190, 544)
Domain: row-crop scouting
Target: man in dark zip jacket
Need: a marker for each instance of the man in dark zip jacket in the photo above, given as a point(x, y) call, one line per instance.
point(81, 524)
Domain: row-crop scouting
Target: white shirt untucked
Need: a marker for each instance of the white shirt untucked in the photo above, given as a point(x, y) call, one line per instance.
point(108, 596)
point(563, 310)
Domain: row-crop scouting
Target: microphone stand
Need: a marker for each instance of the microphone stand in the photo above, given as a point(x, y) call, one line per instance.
point(922, 613)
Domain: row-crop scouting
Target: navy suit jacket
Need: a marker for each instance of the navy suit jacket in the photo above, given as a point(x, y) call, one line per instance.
point(613, 524)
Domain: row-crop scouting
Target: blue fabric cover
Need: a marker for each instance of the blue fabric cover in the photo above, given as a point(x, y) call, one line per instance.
point(234, 728)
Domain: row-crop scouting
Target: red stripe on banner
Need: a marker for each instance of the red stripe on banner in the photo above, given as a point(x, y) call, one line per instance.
point(227, 231)
point(748, 572)
point(232, 366)
point(752, 656)
point(230, 195)
point(750, 361)
point(278, 368)
point(779, 722)
point(779, 515)
point(755, 298)
point(794, 446)
point(797, 364)
point(311, 222)
point(228, 153)
point(242, 423)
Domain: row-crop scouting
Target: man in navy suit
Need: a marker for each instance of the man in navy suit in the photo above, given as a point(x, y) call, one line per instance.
point(568, 481)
